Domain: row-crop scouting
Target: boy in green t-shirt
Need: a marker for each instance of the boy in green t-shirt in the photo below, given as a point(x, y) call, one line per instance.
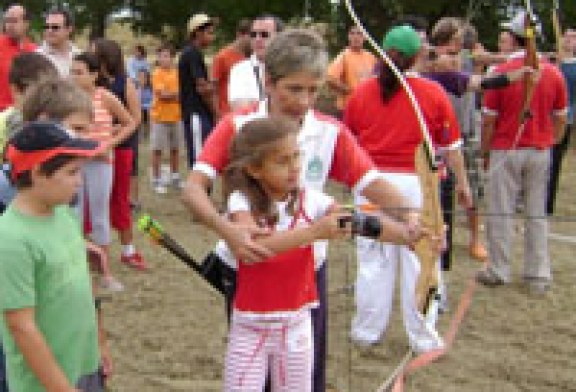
point(47, 315)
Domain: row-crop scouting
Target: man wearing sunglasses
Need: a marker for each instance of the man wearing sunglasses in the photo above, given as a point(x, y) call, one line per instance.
point(247, 84)
point(57, 45)
point(13, 41)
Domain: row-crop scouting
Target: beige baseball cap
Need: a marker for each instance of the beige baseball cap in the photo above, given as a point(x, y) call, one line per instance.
point(197, 21)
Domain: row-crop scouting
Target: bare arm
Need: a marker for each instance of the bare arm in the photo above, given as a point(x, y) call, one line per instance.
point(488, 124)
point(165, 95)
point(387, 196)
point(207, 91)
point(559, 121)
point(455, 161)
point(35, 350)
point(488, 58)
point(239, 238)
point(396, 212)
point(105, 356)
point(335, 75)
point(326, 227)
point(127, 124)
point(338, 86)
point(133, 102)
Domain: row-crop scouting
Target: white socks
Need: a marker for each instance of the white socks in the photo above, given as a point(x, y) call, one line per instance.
point(128, 250)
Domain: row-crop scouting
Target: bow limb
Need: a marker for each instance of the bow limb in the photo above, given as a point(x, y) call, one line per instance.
point(557, 27)
point(427, 171)
point(530, 60)
point(431, 218)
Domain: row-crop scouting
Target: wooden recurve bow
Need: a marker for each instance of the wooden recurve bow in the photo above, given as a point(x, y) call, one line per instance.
point(427, 171)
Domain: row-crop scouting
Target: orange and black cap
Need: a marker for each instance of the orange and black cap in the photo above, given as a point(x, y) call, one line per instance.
point(38, 142)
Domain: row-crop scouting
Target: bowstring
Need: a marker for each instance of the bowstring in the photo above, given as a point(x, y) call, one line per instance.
point(408, 91)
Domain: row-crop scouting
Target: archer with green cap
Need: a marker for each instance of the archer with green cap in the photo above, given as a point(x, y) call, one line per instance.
point(403, 39)
point(384, 122)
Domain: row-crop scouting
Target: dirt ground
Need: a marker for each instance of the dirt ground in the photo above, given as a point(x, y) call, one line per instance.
point(167, 330)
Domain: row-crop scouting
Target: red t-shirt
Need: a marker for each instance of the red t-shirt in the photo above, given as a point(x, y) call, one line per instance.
point(390, 132)
point(9, 49)
point(221, 65)
point(283, 283)
point(550, 96)
point(328, 149)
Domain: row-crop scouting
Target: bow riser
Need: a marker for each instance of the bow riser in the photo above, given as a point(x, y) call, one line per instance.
point(431, 218)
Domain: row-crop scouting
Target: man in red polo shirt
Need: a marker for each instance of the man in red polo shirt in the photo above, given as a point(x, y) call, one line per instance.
point(12, 42)
point(519, 162)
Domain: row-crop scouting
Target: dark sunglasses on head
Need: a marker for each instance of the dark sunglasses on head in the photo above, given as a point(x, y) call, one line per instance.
point(263, 34)
point(53, 27)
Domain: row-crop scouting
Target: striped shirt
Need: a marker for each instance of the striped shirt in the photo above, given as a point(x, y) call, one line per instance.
point(101, 129)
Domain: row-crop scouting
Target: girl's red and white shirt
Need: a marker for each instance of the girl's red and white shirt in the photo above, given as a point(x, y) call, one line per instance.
point(285, 283)
point(329, 151)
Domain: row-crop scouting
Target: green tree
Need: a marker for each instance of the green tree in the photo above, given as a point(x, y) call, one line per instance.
point(167, 18)
point(483, 14)
point(156, 17)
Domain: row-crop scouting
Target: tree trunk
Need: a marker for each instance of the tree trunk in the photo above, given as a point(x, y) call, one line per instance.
point(97, 26)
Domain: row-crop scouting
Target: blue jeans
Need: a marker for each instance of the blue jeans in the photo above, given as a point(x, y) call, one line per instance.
point(7, 191)
point(3, 382)
point(92, 382)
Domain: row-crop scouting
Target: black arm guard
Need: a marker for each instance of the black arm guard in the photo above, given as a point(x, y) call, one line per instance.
point(498, 81)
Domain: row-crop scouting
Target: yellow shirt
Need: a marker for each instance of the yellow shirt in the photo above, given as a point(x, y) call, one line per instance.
point(351, 68)
point(163, 110)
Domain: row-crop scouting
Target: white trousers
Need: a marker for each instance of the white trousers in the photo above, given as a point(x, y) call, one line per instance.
point(375, 283)
point(97, 177)
point(254, 346)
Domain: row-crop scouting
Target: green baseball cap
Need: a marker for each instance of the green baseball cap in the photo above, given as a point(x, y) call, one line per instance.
point(404, 39)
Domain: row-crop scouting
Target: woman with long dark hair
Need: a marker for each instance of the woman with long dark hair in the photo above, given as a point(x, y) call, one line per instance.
point(114, 77)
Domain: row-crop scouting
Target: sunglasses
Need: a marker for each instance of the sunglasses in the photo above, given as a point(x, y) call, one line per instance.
point(262, 34)
point(53, 27)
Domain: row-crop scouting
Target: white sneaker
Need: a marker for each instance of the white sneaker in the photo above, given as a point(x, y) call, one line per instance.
point(363, 344)
point(427, 341)
point(159, 187)
point(361, 340)
point(176, 182)
point(434, 342)
point(110, 283)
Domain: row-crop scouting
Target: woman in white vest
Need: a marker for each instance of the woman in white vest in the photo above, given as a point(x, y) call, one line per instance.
point(295, 64)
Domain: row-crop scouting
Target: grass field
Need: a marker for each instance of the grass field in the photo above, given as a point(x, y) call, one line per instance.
point(167, 330)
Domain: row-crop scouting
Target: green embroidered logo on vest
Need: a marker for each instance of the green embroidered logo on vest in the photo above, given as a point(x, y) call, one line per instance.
point(314, 169)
